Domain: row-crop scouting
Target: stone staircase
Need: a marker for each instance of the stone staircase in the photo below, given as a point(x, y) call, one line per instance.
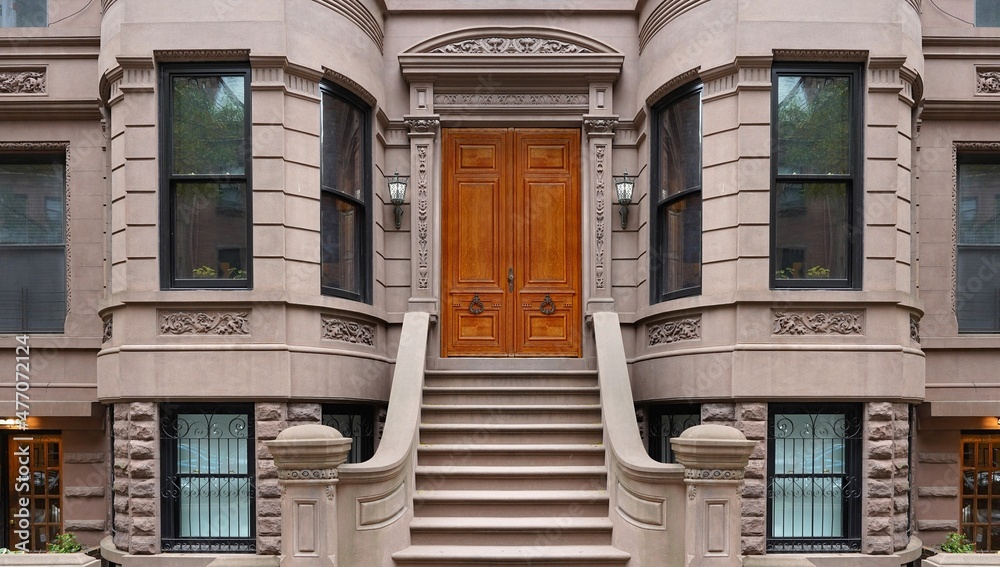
point(511, 470)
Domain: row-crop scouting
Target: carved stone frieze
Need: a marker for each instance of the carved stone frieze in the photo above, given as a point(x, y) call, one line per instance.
point(423, 125)
point(108, 328)
point(914, 329)
point(818, 323)
point(201, 54)
point(351, 85)
point(22, 82)
point(348, 331)
point(675, 330)
point(821, 54)
point(600, 125)
point(307, 474)
point(673, 83)
point(512, 45)
point(714, 474)
point(988, 82)
point(511, 99)
point(600, 220)
point(204, 323)
point(423, 213)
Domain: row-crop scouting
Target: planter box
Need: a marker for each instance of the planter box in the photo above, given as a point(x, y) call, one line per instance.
point(967, 559)
point(50, 560)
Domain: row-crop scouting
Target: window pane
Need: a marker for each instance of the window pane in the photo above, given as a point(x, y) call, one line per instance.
point(23, 13)
point(813, 125)
point(811, 231)
point(979, 216)
point(32, 244)
point(208, 125)
point(680, 146)
point(681, 244)
point(341, 222)
point(210, 231)
point(343, 151)
point(988, 13)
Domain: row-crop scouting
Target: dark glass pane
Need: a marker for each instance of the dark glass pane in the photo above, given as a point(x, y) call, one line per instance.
point(680, 146)
point(982, 487)
point(341, 224)
point(968, 482)
point(32, 244)
point(978, 289)
point(680, 223)
point(968, 454)
point(343, 147)
point(813, 125)
point(356, 422)
point(811, 231)
point(32, 203)
point(24, 13)
point(208, 125)
point(979, 203)
point(210, 231)
point(987, 13)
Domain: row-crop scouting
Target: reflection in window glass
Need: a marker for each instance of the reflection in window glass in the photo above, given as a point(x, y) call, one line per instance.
point(210, 231)
point(32, 243)
point(811, 231)
point(208, 125)
point(979, 517)
point(813, 125)
point(23, 13)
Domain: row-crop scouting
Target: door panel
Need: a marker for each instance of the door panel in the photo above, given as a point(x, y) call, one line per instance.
point(511, 242)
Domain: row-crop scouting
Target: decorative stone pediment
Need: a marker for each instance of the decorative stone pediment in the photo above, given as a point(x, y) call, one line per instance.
point(500, 52)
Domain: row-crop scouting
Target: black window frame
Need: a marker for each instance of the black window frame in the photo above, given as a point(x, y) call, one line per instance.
point(54, 157)
point(963, 296)
point(853, 179)
point(657, 233)
point(852, 486)
point(364, 236)
point(170, 540)
point(657, 449)
point(168, 279)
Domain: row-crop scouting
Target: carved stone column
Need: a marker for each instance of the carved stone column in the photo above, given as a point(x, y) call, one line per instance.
point(597, 202)
point(307, 457)
point(714, 459)
point(425, 204)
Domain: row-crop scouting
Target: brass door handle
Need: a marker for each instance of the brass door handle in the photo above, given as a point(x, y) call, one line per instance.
point(510, 279)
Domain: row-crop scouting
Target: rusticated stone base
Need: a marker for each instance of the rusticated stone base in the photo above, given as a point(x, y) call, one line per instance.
point(887, 486)
point(751, 419)
point(136, 524)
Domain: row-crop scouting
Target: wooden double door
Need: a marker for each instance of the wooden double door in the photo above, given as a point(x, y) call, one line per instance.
point(511, 242)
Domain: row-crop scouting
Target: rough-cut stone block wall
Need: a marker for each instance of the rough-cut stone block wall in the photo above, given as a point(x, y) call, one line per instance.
point(136, 478)
point(271, 419)
point(751, 419)
point(886, 477)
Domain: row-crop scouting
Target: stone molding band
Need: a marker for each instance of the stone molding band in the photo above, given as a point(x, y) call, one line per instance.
point(308, 474)
point(714, 474)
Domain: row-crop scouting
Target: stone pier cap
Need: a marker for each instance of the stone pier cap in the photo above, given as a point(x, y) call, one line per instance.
point(710, 448)
point(309, 447)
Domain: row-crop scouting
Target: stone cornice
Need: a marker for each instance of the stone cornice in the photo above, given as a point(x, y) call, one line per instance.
point(202, 55)
point(48, 109)
point(983, 109)
point(685, 77)
point(820, 54)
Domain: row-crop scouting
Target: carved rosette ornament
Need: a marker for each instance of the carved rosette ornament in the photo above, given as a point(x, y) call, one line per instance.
point(205, 323)
point(673, 331)
point(511, 45)
point(818, 323)
point(307, 474)
point(348, 331)
point(714, 474)
point(988, 82)
point(22, 82)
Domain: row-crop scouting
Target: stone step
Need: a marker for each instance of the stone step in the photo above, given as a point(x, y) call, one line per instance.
point(505, 413)
point(512, 395)
point(514, 455)
point(511, 503)
point(497, 477)
point(479, 556)
point(510, 531)
point(489, 433)
point(445, 379)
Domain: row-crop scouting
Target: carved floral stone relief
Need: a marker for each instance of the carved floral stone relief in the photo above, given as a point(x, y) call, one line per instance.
point(22, 82)
point(511, 45)
point(818, 323)
point(988, 82)
point(204, 323)
point(675, 330)
point(348, 331)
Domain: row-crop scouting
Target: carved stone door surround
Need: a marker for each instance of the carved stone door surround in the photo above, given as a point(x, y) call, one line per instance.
point(510, 75)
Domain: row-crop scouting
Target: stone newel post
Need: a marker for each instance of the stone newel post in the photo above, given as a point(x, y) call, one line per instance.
point(307, 457)
point(714, 459)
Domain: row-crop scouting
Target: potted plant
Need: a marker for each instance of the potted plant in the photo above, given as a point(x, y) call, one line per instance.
point(958, 550)
point(203, 272)
point(64, 549)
